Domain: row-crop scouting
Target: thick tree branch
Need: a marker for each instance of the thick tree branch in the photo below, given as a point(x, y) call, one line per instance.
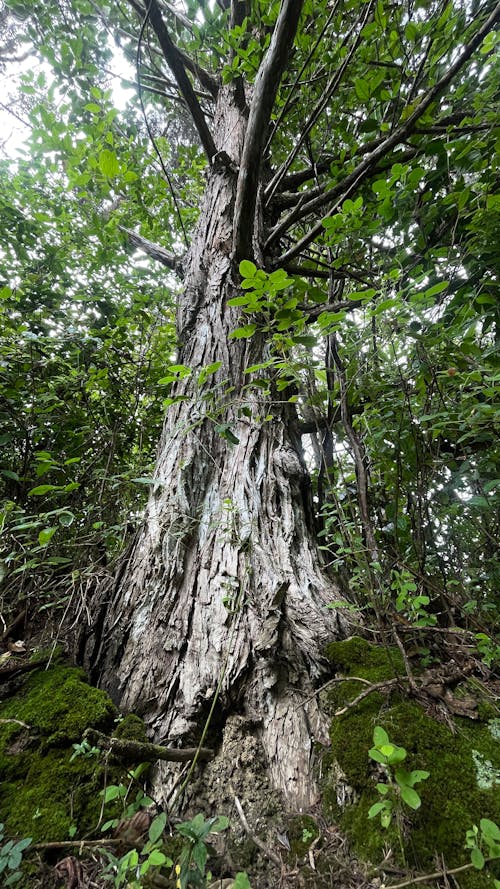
point(265, 89)
point(177, 65)
point(340, 191)
point(139, 751)
point(363, 170)
point(175, 263)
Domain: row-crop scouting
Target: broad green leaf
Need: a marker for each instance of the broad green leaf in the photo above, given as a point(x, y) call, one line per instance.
point(108, 163)
point(66, 519)
point(243, 332)
point(477, 858)
point(375, 809)
point(380, 736)
point(410, 796)
point(247, 269)
point(46, 536)
point(43, 489)
point(157, 858)
point(241, 881)
point(157, 827)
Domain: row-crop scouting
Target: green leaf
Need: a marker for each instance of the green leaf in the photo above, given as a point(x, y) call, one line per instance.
point(477, 858)
point(247, 269)
point(157, 858)
point(243, 332)
point(206, 372)
point(410, 796)
point(240, 300)
point(377, 756)
point(43, 489)
point(108, 163)
point(46, 535)
point(66, 519)
point(221, 823)
point(306, 340)
point(375, 809)
point(362, 88)
point(157, 827)
point(490, 830)
point(199, 855)
point(437, 288)
point(380, 736)
point(241, 881)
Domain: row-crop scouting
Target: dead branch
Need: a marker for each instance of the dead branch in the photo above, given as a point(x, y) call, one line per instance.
point(175, 263)
point(255, 839)
point(437, 875)
point(13, 669)
point(137, 751)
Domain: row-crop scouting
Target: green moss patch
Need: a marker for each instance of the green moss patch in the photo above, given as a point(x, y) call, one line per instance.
point(42, 793)
point(464, 781)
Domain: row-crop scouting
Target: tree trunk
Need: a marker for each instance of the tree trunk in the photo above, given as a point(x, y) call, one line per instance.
point(223, 593)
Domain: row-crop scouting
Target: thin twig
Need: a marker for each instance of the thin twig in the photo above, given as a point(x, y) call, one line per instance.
point(437, 875)
point(331, 682)
point(377, 686)
point(255, 839)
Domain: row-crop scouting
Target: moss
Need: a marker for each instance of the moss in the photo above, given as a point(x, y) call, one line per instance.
point(131, 728)
point(58, 705)
point(357, 657)
point(43, 793)
point(452, 798)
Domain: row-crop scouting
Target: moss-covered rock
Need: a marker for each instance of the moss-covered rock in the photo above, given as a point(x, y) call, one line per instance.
point(43, 793)
point(463, 765)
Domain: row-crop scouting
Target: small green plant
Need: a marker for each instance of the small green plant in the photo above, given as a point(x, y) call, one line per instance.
point(11, 856)
point(408, 603)
point(484, 844)
point(121, 792)
point(135, 864)
point(84, 749)
point(488, 649)
point(193, 858)
point(400, 786)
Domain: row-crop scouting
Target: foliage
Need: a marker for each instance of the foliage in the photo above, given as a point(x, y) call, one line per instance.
point(485, 839)
point(194, 854)
point(11, 856)
point(131, 867)
point(122, 793)
point(400, 783)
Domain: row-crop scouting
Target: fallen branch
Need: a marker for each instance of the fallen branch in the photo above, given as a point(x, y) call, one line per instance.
point(82, 844)
point(138, 751)
point(255, 839)
point(437, 875)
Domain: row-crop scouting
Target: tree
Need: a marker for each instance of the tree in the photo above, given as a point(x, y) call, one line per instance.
point(338, 147)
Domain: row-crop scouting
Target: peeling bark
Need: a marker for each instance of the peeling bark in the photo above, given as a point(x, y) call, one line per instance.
point(223, 592)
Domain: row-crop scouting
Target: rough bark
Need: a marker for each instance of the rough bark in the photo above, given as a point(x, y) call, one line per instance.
point(223, 592)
